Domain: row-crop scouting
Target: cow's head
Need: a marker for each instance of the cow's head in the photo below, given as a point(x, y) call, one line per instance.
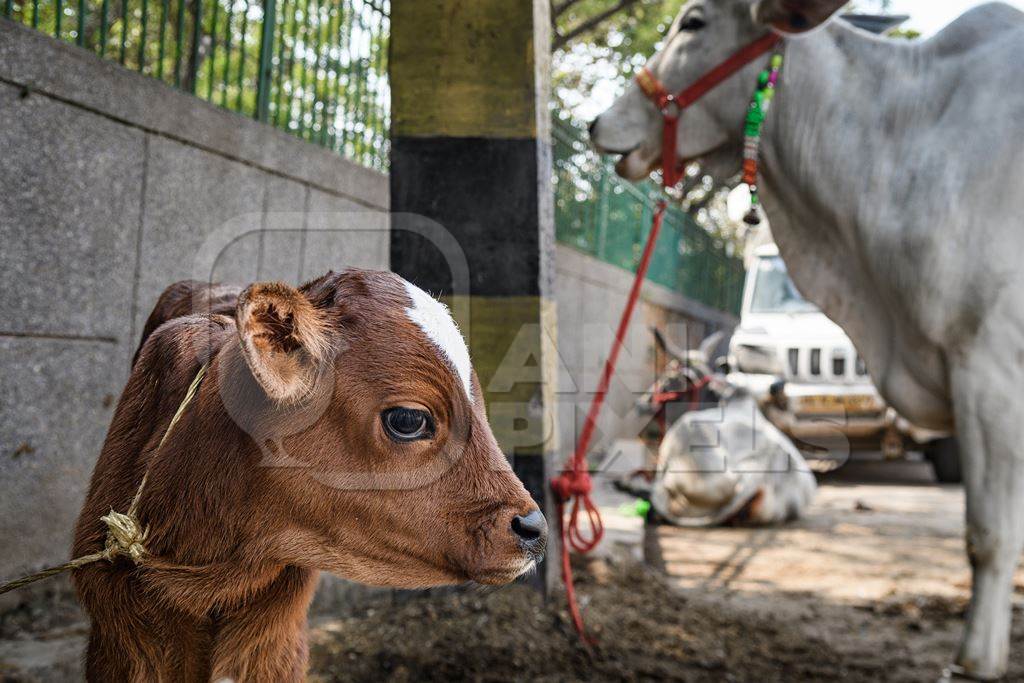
point(394, 477)
point(685, 370)
point(705, 33)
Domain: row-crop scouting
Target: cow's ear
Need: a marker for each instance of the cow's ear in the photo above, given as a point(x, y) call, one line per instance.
point(795, 16)
point(284, 337)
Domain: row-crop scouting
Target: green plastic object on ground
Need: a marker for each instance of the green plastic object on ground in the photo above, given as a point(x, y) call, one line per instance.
point(639, 508)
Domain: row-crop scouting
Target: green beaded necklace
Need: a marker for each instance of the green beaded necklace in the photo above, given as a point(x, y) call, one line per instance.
point(756, 113)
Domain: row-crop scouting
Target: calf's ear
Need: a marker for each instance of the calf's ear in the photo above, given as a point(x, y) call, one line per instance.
point(284, 337)
point(795, 16)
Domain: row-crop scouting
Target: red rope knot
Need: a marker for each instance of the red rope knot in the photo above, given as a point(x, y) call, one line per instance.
point(572, 489)
point(572, 483)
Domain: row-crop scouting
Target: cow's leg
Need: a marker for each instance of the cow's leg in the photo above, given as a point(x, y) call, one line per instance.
point(989, 423)
point(265, 640)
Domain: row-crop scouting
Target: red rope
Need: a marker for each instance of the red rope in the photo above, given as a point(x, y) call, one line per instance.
point(573, 486)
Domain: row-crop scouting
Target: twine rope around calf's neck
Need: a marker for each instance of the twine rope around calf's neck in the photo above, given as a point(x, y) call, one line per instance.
point(125, 535)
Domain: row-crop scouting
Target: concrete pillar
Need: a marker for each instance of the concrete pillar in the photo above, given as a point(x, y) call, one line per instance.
point(471, 153)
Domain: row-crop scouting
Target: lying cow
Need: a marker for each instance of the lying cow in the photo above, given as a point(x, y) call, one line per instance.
point(729, 464)
point(723, 464)
point(890, 173)
point(339, 427)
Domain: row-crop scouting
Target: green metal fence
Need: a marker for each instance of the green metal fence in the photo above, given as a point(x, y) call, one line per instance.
point(604, 216)
point(315, 68)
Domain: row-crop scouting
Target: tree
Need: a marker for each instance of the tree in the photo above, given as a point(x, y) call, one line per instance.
point(620, 31)
point(573, 19)
point(599, 45)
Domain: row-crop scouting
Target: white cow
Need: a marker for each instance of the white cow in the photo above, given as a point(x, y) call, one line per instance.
point(728, 463)
point(725, 463)
point(892, 176)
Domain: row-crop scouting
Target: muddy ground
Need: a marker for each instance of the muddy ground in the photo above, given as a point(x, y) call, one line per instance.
point(871, 586)
point(645, 629)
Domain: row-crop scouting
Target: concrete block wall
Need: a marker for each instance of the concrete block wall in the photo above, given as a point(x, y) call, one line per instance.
point(591, 295)
point(113, 186)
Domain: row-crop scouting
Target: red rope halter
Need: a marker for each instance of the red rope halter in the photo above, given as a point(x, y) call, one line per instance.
point(673, 106)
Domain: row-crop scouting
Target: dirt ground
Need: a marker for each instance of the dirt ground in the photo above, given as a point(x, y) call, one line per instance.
point(871, 586)
point(645, 629)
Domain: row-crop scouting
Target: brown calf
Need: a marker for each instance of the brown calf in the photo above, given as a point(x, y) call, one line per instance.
point(339, 428)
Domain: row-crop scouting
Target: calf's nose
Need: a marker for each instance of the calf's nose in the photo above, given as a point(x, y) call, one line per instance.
point(591, 127)
point(532, 530)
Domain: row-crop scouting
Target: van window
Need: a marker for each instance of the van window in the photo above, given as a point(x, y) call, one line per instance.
point(774, 292)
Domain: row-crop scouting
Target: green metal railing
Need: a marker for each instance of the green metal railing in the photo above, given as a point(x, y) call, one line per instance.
point(315, 68)
point(606, 217)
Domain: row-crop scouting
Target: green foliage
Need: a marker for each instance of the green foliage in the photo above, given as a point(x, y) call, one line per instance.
point(612, 51)
point(634, 31)
point(326, 75)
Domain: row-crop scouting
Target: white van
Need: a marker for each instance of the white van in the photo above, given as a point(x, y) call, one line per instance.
point(810, 380)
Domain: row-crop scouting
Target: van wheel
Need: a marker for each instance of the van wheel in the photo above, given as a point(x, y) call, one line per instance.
point(944, 455)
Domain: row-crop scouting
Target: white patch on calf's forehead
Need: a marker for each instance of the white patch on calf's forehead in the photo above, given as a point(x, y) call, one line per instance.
point(436, 321)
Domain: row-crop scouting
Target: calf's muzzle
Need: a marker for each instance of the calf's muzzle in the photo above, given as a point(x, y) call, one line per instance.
point(531, 531)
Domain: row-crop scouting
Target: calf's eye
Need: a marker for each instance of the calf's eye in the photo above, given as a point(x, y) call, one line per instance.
point(407, 424)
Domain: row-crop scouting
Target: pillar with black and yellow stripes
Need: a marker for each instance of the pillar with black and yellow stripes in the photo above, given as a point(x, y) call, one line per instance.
point(471, 201)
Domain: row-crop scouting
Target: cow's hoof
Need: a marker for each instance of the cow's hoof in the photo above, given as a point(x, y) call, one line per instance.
point(955, 672)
